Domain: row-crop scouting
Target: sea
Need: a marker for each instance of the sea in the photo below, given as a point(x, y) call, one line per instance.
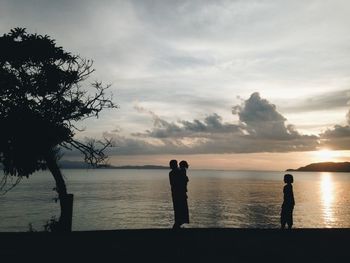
point(106, 199)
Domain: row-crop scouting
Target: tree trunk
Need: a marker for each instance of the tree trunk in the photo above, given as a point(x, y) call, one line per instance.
point(66, 200)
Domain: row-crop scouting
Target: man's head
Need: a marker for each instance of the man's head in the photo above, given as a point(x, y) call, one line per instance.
point(173, 164)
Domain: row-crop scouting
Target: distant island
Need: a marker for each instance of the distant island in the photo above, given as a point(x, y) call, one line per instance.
point(65, 164)
point(324, 167)
point(151, 167)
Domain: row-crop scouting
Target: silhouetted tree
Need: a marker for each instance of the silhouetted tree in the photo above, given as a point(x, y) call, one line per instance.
point(41, 100)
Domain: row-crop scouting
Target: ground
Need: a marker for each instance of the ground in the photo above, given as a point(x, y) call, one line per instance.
point(185, 245)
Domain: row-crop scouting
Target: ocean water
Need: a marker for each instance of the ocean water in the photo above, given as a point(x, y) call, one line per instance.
point(132, 199)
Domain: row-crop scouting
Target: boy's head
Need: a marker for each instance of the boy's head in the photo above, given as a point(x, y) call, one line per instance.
point(288, 178)
point(173, 164)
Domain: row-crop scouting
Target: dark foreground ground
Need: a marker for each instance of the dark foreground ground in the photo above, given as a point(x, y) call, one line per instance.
point(186, 245)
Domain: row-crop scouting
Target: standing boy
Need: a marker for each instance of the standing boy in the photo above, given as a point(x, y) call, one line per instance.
point(288, 202)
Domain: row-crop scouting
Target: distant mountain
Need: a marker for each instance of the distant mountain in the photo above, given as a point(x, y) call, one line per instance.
point(324, 167)
point(65, 164)
point(152, 167)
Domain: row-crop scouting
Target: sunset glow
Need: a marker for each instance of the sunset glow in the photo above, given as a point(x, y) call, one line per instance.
point(327, 196)
point(326, 155)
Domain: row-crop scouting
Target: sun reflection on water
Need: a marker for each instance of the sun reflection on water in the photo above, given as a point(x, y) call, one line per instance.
point(327, 196)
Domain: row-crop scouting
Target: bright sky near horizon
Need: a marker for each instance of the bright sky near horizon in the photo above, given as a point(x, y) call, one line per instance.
point(260, 85)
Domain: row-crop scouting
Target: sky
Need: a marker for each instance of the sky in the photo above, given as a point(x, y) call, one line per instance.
point(257, 85)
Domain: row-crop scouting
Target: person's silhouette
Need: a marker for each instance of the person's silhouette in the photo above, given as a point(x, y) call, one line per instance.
point(288, 202)
point(183, 189)
point(174, 183)
point(178, 182)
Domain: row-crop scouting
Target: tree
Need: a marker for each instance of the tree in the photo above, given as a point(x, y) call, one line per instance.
point(41, 100)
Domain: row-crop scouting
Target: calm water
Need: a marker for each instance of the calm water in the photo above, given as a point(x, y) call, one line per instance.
point(118, 199)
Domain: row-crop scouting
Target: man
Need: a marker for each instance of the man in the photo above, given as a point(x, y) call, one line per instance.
point(178, 183)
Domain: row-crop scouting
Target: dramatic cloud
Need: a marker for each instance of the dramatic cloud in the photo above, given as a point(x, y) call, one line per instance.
point(338, 137)
point(261, 128)
point(338, 131)
point(262, 120)
point(212, 124)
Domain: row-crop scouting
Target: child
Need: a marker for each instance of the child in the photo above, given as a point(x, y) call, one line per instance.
point(183, 165)
point(288, 202)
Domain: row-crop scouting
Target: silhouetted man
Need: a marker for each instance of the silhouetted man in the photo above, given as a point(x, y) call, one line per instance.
point(178, 181)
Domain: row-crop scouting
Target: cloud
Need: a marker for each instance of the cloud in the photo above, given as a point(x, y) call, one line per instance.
point(318, 102)
point(261, 128)
point(263, 121)
point(212, 124)
point(348, 117)
point(338, 131)
point(337, 137)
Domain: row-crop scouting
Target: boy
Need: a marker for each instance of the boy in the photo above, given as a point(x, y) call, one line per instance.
point(288, 202)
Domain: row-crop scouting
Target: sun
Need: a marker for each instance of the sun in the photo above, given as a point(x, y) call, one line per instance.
point(326, 155)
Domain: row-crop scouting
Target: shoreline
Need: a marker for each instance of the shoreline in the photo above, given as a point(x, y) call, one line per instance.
point(190, 244)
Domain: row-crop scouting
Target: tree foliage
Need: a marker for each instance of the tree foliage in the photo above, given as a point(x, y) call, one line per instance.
point(41, 99)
